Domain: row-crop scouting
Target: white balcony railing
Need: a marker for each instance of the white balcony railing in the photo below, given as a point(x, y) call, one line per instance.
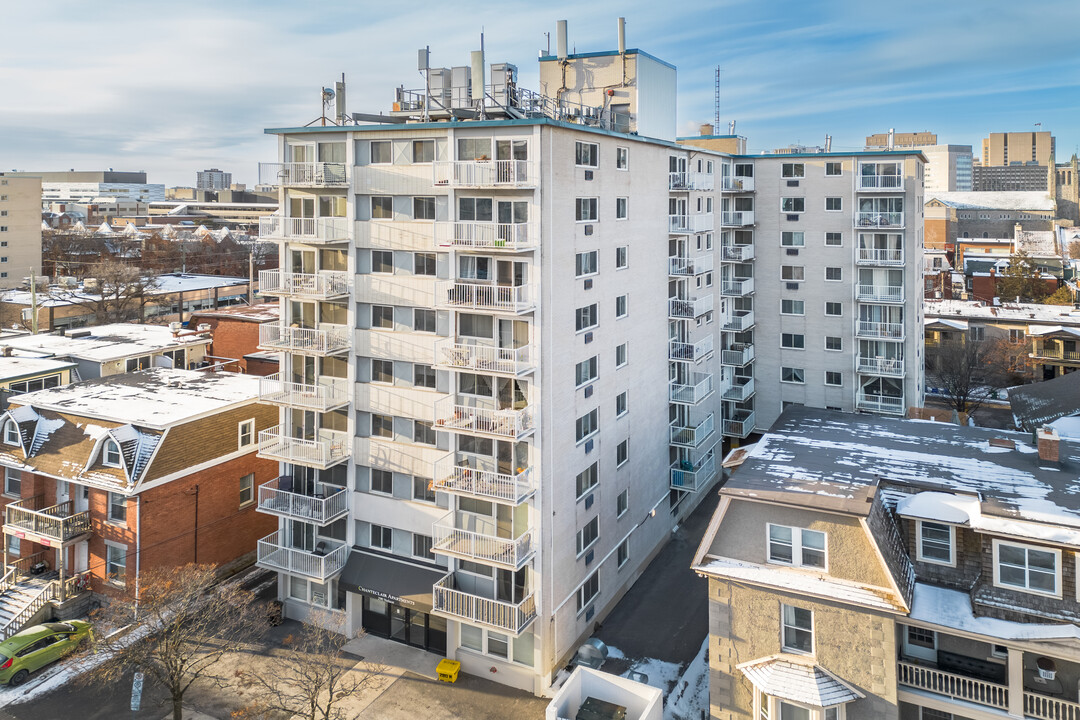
point(879, 219)
point(737, 253)
point(323, 340)
point(737, 218)
point(690, 352)
point(327, 448)
point(739, 426)
point(692, 436)
point(689, 224)
point(482, 296)
point(484, 173)
point(689, 309)
point(687, 476)
point(322, 285)
point(484, 358)
point(690, 181)
point(737, 184)
point(959, 687)
point(326, 394)
point(740, 320)
point(470, 536)
point(478, 476)
point(1044, 707)
point(879, 403)
point(689, 266)
point(737, 287)
point(737, 355)
point(487, 235)
point(881, 182)
point(320, 563)
point(891, 367)
point(742, 388)
point(324, 506)
point(452, 415)
point(298, 174)
point(880, 293)
point(508, 617)
point(887, 330)
point(880, 256)
point(304, 230)
point(699, 388)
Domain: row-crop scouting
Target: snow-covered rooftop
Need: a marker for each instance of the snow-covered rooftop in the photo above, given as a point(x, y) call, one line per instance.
point(13, 368)
point(995, 200)
point(1038, 243)
point(263, 312)
point(167, 284)
point(799, 680)
point(104, 342)
point(952, 609)
point(1020, 312)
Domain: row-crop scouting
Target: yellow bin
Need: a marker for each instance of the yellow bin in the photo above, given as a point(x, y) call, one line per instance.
point(448, 670)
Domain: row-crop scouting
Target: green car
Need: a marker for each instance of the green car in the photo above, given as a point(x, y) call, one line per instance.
point(37, 646)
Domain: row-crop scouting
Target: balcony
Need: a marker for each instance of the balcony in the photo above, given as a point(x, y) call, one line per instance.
point(690, 352)
point(321, 563)
point(737, 287)
point(326, 449)
point(690, 224)
point(885, 330)
point(683, 181)
point(474, 537)
point(737, 184)
point(740, 320)
point(508, 617)
point(737, 218)
point(699, 388)
point(464, 295)
point(451, 414)
point(888, 367)
point(888, 183)
point(326, 339)
point(879, 219)
point(689, 477)
point(880, 293)
point(880, 256)
point(484, 174)
point(508, 237)
point(478, 476)
point(689, 309)
point(742, 389)
point(688, 267)
point(736, 253)
point(304, 230)
point(737, 355)
point(1055, 352)
point(879, 403)
point(739, 426)
point(317, 174)
point(484, 358)
point(323, 285)
point(327, 394)
point(692, 436)
point(324, 506)
point(50, 526)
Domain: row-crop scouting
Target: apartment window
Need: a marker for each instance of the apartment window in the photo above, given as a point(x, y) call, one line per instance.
point(621, 404)
point(588, 591)
point(1027, 568)
point(586, 154)
point(833, 342)
point(423, 208)
point(474, 209)
point(382, 426)
point(620, 355)
point(423, 320)
point(423, 151)
point(115, 563)
point(623, 553)
point(798, 629)
point(834, 239)
point(382, 207)
point(620, 208)
point(423, 490)
point(585, 263)
point(976, 333)
point(424, 376)
point(587, 479)
point(622, 503)
point(834, 274)
point(936, 543)
point(246, 433)
point(382, 371)
point(791, 239)
point(12, 482)
point(474, 148)
point(382, 261)
point(585, 371)
point(620, 306)
point(834, 204)
point(622, 452)
point(622, 158)
point(11, 433)
point(424, 264)
point(117, 508)
point(382, 481)
point(382, 537)
point(423, 432)
point(382, 316)
point(587, 424)
point(832, 169)
point(792, 273)
point(792, 375)
point(421, 546)
point(792, 341)
point(111, 455)
point(834, 309)
point(833, 378)
point(381, 152)
point(586, 317)
point(1016, 336)
point(793, 170)
point(792, 204)
point(792, 307)
point(621, 260)
point(247, 489)
point(142, 362)
point(586, 209)
point(587, 535)
point(473, 384)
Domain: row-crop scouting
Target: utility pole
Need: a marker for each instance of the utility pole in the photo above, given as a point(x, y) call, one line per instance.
point(33, 303)
point(251, 277)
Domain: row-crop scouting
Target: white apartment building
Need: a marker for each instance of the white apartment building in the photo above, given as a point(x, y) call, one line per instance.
point(511, 345)
point(212, 179)
point(20, 229)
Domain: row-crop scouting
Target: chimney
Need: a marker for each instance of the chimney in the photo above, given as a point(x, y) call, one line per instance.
point(892, 138)
point(1049, 443)
point(706, 129)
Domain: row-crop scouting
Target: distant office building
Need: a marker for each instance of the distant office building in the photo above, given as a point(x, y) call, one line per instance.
point(1018, 148)
point(213, 179)
point(900, 140)
point(20, 229)
point(75, 186)
point(948, 167)
point(1031, 177)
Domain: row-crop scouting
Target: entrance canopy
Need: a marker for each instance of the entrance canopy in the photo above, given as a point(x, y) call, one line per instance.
point(391, 580)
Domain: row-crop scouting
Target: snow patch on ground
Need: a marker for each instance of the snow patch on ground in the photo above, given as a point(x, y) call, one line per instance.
point(686, 693)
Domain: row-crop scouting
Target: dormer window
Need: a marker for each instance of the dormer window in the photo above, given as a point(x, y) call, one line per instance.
point(110, 456)
point(11, 433)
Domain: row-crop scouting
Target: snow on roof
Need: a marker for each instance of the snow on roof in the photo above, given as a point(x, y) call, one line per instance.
point(263, 312)
point(1038, 243)
point(1036, 404)
point(966, 510)
point(1055, 330)
point(995, 200)
point(167, 284)
point(1068, 428)
point(954, 324)
point(155, 398)
point(799, 680)
point(1023, 312)
point(105, 342)
point(13, 368)
point(952, 609)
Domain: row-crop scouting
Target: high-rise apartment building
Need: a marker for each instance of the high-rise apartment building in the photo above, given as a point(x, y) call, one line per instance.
point(212, 179)
point(20, 229)
point(512, 343)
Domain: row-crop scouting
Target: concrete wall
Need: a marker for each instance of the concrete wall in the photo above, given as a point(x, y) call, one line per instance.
point(20, 229)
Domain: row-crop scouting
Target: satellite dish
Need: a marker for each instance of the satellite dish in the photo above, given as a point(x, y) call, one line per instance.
point(327, 93)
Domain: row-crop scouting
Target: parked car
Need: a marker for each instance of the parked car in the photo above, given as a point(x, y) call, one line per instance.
point(37, 646)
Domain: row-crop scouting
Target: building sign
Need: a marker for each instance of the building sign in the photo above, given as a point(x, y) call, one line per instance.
point(397, 600)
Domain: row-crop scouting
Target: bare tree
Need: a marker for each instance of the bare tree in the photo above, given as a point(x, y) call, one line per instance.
point(1074, 249)
point(190, 624)
point(970, 372)
point(65, 252)
point(112, 290)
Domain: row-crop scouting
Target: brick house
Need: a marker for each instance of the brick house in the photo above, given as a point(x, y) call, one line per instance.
point(235, 333)
point(114, 475)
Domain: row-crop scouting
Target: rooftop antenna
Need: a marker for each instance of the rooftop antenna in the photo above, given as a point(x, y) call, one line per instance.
point(716, 99)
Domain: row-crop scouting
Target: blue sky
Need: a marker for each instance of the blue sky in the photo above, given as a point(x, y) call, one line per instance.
point(173, 88)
